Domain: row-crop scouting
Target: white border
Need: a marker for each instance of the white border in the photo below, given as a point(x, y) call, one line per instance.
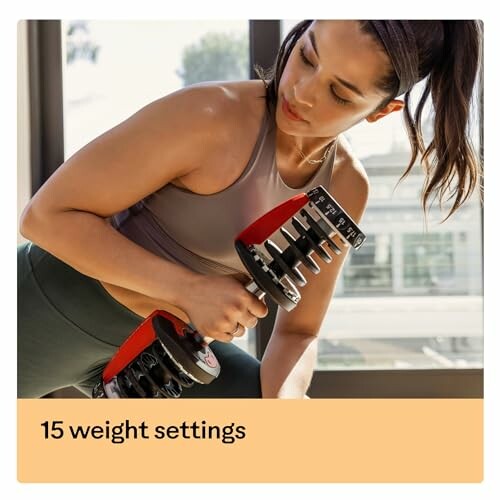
point(255, 9)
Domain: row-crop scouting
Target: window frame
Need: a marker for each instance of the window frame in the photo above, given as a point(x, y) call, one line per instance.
point(46, 100)
point(47, 153)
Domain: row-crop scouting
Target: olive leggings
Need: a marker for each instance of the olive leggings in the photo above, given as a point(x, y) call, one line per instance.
point(69, 327)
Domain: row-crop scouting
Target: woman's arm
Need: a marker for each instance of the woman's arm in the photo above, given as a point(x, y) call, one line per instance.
point(67, 216)
point(288, 363)
point(167, 139)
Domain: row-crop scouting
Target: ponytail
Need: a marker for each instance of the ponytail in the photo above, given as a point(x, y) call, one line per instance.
point(450, 157)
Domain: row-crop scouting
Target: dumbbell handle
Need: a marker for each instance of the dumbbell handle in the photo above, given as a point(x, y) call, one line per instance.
point(253, 288)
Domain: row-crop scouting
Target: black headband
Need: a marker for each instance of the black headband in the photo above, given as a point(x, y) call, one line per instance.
point(401, 47)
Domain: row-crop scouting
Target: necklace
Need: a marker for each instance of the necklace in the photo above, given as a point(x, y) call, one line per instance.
point(322, 159)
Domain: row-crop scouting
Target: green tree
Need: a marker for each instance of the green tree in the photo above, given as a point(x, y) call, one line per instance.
point(216, 56)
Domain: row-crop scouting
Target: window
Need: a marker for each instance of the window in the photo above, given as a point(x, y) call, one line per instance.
point(370, 269)
point(113, 68)
point(411, 297)
point(429, 261)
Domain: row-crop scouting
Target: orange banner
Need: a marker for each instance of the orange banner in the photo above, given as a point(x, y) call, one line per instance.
point(261, 441)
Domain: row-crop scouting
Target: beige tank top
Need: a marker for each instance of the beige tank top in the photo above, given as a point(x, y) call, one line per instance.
point(198, 231)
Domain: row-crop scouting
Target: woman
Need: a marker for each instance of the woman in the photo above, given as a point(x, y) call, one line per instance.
point(144, 217)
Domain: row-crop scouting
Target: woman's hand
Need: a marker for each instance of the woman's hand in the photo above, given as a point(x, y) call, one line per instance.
point(220, 307)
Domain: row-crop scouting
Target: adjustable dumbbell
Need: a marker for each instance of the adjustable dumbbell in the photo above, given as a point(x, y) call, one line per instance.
point(164, 354)
point(277, 274)
point(161, 356)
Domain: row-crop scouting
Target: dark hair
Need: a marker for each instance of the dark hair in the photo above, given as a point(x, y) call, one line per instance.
point(449, 55)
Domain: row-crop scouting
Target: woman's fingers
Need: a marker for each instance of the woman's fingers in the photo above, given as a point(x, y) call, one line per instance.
point(248, 320)
point(241, 330)
point(257, 308)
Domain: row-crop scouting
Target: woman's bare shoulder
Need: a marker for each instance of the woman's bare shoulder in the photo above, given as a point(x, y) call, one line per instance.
point(238, 109)
point(346, 160)
point(349, 183)
point(238, 102)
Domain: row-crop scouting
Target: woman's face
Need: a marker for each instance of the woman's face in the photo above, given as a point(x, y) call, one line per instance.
point(329, 80)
